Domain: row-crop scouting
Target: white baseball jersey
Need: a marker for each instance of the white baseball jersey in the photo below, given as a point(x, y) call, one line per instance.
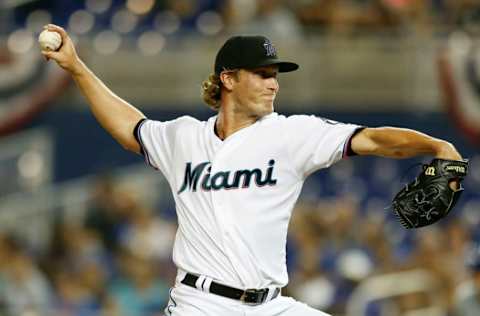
point(234, 198)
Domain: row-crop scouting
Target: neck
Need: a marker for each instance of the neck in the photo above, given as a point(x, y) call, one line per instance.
point(228, 122)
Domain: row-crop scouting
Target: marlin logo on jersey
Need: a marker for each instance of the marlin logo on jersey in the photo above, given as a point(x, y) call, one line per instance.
point(224, 179)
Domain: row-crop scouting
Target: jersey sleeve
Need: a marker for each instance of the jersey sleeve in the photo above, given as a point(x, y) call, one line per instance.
point(157, 143)
point(315, 143)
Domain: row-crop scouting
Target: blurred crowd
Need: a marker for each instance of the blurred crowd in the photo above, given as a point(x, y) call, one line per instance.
point(286, 18)
point(116, 258)
point(152, 25)
point(115, 261)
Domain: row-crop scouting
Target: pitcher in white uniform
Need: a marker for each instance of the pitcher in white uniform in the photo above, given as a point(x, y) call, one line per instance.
point(236, 177)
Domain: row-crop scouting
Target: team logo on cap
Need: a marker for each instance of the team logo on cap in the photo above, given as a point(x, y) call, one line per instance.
point(269, 48)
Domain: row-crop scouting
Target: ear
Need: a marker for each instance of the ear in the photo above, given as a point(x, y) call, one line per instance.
point(228, 80)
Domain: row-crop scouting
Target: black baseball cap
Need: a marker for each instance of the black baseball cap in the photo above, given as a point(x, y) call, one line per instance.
point(249, 52)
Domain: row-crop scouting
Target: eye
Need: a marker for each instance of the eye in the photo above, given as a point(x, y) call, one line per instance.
point(266, 74)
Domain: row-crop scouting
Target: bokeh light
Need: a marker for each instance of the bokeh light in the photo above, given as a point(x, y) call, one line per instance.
point(37, 19)
point(81, 22)
point(107, 42)
point(209, 23)
point(167, 22)
point(98, 6)
point(31, 165)
point(20, 41)
point(140, 6)
point(151, 43)
point(461, 41)
point(124, 21)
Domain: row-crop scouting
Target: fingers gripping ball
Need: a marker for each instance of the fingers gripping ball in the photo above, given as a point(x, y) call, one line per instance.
point(49, 40)
point(429, 197)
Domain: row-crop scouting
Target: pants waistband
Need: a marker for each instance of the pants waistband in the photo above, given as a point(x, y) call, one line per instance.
point(249, 296)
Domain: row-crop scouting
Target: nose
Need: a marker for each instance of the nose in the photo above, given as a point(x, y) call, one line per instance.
point(272, 84)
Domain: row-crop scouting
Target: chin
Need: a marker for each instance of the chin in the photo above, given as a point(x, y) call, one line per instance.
point(265, 111)
point(261, 109)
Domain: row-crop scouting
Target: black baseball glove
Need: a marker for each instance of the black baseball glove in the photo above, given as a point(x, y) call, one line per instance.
point(429, 197)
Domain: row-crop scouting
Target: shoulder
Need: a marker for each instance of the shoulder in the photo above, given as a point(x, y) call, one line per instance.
point(303, 121)
point(184, 121)
point(295, 118)
point(188, 121)
point(301, 118)
point(317, 121)
point(297, 121)
point(279, 124)
point(275, 118)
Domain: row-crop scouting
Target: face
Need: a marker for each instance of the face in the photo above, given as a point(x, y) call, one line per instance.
point(254, 90)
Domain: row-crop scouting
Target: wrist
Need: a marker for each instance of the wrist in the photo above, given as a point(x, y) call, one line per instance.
point(445, 150)
point(78, 67)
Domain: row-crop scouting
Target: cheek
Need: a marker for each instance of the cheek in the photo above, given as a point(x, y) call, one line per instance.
point(251, 89)
point(257, 87)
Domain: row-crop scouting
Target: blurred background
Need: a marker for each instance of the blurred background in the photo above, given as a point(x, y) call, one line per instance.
point(87, 228)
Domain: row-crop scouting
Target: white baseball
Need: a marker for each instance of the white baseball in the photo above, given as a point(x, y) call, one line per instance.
point(49, 41)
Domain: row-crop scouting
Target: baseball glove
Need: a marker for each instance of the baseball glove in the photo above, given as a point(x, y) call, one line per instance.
point(429, 197)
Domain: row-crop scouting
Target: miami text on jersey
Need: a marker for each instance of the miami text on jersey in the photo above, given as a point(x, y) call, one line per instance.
point(225, 179)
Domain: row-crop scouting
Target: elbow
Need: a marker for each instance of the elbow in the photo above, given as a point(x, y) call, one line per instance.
point(364, 143)
point(130, 144)
point(126, 146)
point(126, 139)
point(132, 147)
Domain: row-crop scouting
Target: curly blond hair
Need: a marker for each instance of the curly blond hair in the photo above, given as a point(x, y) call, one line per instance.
point(211, 91)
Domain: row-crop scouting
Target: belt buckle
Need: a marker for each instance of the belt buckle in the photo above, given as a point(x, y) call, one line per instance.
point(254, 296)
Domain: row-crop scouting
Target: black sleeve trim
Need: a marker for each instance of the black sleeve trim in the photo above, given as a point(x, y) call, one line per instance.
point(348, 150)
point(136, 134)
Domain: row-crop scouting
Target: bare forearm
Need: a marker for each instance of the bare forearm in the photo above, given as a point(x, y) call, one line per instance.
point(114, 114)
point(402, 143)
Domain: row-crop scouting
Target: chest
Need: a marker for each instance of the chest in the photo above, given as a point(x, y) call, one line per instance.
point(249, 160)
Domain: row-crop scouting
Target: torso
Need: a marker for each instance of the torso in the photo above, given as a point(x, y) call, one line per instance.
point(234, 198)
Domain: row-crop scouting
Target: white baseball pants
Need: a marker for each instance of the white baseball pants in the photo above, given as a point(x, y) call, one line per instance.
point(189, 301)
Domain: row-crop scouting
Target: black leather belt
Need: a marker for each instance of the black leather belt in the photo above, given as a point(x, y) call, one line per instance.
point(250, 296)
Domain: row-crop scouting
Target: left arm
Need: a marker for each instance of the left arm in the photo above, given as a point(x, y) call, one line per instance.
point(395, 142)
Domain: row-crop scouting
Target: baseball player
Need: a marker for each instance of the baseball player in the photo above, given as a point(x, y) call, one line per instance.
point(236, 177)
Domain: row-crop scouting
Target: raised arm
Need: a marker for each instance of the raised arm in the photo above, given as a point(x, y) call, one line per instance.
point(114, 114)
point(401, 143)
